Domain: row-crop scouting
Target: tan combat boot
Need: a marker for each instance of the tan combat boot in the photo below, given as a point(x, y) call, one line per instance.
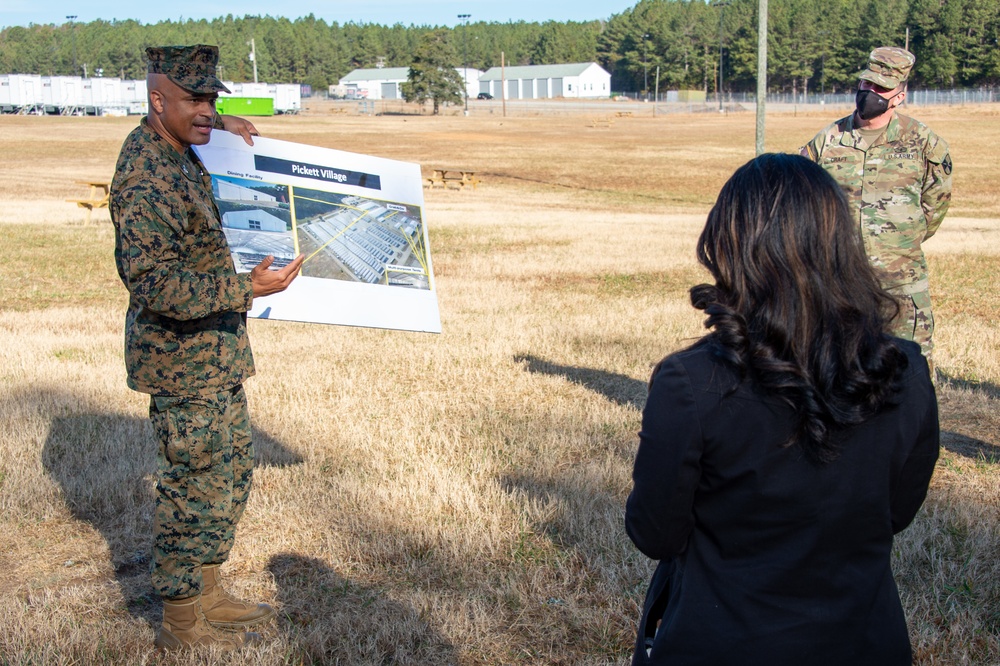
point(185, 626)
point(225, 611)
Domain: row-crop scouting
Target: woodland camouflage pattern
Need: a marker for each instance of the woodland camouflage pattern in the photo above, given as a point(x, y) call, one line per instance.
point(186, 344)
point(900, 187)
point(185, 328)
point(205, 467)
point(190, 67)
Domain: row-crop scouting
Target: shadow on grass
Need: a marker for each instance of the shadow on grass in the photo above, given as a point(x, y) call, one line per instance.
point(988, 389)
point(970, 447)
point(332, 620)
point(617, 388)
point(105, 466)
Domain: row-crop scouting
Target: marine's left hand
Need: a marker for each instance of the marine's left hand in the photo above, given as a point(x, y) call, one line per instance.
point(240, 126)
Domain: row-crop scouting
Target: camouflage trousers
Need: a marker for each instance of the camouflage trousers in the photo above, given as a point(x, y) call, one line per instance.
point(205, 467)
point(915, 321)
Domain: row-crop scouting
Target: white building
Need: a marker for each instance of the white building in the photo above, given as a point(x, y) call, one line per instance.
point(585, 79)
point(376, 83)
point(385, 82)
point(253, 220)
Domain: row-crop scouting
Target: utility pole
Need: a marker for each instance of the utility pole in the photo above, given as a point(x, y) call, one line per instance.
point(465, 57)
point(72, 30)
point(656, 95)
point(761, 71)
point(721, 4)
point(503, 84)
point(253, 58)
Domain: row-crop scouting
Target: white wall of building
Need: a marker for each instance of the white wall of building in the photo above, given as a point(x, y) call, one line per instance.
point(253, 220)
point(579, 80)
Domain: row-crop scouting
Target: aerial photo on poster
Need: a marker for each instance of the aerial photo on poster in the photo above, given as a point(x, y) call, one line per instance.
point(357, 219)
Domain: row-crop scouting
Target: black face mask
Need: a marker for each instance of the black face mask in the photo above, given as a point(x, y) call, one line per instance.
point(870, 104)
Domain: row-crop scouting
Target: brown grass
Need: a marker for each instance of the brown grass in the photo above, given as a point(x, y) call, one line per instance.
point(452, 499)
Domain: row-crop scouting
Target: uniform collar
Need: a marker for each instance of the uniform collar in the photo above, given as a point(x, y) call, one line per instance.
point(855, 140)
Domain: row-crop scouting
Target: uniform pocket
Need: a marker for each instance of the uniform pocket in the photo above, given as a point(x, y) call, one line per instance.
point(190, 426)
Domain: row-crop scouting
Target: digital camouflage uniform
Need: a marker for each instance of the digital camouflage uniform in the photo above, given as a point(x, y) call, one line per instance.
point(900, 188)
point(186, 345)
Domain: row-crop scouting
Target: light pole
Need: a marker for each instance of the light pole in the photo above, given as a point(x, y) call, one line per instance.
point(645, 67)
point(72, 30)
point(465, 57)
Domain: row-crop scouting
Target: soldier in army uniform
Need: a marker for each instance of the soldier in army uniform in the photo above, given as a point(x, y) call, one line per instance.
point(186, 344)
point(896, 173)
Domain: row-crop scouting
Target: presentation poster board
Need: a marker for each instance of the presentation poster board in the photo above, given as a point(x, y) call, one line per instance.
point(358, 219)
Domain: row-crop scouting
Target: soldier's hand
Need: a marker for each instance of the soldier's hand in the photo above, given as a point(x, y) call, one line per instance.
point(240, 126)
point(266, 282)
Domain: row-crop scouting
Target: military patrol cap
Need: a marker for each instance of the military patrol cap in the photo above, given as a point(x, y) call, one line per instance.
point(888, 66)
point(190, 67)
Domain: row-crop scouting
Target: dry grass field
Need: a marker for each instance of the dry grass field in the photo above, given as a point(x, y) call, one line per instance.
point(449, 499)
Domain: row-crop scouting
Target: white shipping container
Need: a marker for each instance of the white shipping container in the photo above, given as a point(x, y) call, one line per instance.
point(134, 92)
point(25, 89)
point(287, 97)
point(62, 92)
point(87, 97)
point(249, 89)
point(107, 92)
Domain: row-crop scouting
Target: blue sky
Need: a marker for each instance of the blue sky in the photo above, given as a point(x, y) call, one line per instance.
point(419, 12)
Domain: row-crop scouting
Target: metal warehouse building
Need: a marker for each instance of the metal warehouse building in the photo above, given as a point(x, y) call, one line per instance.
point(585, 79)
point(384, 82)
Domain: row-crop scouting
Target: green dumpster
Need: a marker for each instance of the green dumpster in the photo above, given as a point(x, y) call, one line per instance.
point(245, 106)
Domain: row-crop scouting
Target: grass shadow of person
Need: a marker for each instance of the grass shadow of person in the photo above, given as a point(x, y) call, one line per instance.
point(970, 447)
point(618, 388)
point(329, 619)
point(987, 389)
point(104, 464)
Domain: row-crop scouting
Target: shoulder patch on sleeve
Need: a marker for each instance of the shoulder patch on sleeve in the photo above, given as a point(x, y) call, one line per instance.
point(937, 150)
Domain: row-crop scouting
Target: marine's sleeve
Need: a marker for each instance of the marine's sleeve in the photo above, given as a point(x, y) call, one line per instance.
point(659, 512)
point(936, 195)
point(155, 272)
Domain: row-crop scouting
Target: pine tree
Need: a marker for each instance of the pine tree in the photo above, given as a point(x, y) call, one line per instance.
point(433, 75)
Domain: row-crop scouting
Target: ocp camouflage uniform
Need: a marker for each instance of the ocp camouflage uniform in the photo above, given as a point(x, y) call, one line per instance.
point(900, 187)
point(186, 345)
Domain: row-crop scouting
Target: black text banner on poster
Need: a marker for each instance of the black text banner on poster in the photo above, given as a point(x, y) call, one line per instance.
point(324, 173)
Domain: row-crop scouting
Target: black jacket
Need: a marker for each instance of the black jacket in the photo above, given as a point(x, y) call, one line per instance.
point(767, 558)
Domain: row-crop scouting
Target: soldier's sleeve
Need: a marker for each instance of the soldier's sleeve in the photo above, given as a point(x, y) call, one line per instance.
point(936, 196)
point(813, 149)
point(155, 273)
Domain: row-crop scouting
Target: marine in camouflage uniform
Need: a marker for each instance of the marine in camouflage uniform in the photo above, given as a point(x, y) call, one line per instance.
point(899, 183)
point(186, 341)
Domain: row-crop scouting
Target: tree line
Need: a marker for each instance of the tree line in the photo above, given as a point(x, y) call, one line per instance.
point(814, 45)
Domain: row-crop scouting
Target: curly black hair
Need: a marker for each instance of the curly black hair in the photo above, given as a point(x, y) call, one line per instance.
point(796, 307)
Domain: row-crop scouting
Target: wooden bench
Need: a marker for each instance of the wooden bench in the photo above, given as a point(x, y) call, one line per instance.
point(601, 123)
point(623, 114)
point(452, 179)
point(99, 197)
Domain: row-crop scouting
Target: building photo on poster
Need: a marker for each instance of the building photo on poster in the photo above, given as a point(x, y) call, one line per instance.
point(358, 220)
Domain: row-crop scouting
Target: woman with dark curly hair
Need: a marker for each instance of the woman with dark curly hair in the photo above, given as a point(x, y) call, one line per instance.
point(780, 454)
